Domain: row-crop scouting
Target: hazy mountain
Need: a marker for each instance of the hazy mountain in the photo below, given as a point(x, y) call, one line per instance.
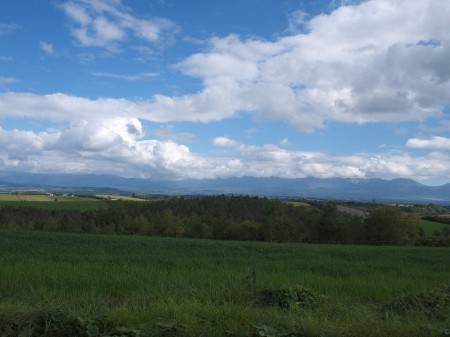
point(334, 188)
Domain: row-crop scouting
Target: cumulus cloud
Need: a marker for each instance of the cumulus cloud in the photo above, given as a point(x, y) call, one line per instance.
point(440, 143)
point(369, 62)
point(107, 24)
point(120, 146)
point(112, 146)
point(224, 142)
point(338, 70)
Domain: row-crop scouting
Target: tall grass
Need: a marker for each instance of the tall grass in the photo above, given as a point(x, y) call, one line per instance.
point(201, 287)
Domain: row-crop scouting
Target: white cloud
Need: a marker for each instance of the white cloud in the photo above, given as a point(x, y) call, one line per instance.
point(297, 21)
point(133, 77)
point(107, 24)
point(61, 107)
point(112, 146)
point(271, 160)
point(440, 143)
point(6, 28)
point(225, 142)
point(118, 145)
point(285, 142)
point(340, 70)
point(8, 80)
point(47, 47)
point(377, 61)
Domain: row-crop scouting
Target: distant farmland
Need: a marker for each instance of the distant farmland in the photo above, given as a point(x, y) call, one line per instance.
point(51, 201)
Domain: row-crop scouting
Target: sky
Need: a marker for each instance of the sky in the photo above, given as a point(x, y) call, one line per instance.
point(176, 89)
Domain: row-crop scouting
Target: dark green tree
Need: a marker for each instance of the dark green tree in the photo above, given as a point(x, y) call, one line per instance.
point(388, 224)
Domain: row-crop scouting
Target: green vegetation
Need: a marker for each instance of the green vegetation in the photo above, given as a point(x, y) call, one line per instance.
point(59, 284)
point(231, 218)
point(432, 227)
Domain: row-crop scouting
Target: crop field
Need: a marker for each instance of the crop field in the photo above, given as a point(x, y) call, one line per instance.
point(58, 284)
point(51, 202)
point(65, 202)
point(118, 197)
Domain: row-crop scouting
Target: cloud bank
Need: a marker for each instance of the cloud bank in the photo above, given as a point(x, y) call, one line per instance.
point(118, 146)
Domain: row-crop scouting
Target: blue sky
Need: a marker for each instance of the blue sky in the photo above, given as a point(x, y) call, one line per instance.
point(172, 89)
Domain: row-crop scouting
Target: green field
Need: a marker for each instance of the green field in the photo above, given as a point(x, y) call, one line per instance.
point(51, 202)
point(57, 284)
point(64, 202)
point(429, 227)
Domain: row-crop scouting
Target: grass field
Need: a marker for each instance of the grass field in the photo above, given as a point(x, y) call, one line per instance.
point(146, 286)
point(429, 227)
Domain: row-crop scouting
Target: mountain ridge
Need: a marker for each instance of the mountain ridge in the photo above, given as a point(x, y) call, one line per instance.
point(399, 189)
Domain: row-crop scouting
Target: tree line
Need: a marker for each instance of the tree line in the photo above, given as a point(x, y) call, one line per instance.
point(226, 218)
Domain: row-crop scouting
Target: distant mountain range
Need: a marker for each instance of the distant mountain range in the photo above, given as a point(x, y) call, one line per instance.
point(398, 190)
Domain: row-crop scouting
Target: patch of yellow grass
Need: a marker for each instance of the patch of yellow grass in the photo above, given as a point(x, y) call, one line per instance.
point(298, 203)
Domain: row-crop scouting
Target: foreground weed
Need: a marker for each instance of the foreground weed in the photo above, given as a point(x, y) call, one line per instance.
point(433, 302)
point(57, 323)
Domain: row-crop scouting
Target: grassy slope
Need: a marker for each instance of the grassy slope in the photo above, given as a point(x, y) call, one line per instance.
point(196, 287)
